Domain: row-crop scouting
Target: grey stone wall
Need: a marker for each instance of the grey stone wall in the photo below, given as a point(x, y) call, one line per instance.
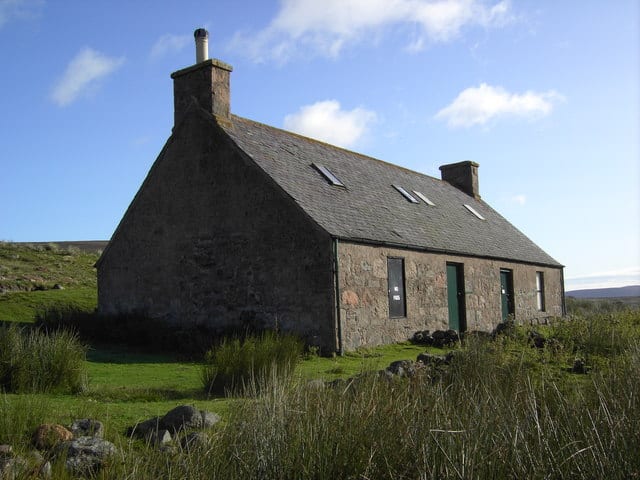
point(211, 239)
point(364, 306)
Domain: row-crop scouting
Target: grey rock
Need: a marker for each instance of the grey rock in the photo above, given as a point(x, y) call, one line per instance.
point(435, 360)
point(6, 451)
point(159, 437)
point(143, 429)
point(86, 455)
point(87, 427)
point(402, 368)
point(181, 418)
point(209, 419)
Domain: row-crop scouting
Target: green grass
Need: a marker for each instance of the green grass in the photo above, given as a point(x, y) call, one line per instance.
point(27, 268)
point(29, 273)
point(25, 306)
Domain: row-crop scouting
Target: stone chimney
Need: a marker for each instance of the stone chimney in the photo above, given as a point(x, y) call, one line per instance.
point(206, 83)
point(463, 176)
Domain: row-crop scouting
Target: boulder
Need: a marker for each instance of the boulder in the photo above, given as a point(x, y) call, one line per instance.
point(87, 427)
point(143, 429)
point(537, 340)
point(402, 368)
point(182, 418)
point(86, 455)
point(209, 419)
point(579, 366)
point(159, 437)
point(49, 435)
point(435, 360)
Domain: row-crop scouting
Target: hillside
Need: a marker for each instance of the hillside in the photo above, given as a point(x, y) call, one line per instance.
point(620, 292)
point(39, 276)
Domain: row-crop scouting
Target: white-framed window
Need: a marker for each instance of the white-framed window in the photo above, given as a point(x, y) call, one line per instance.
point(540, 291)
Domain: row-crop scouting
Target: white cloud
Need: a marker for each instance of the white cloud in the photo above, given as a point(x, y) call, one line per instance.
point(326, 27)
point(520, 199)
point(479, 105)
point(168, 44)
point(86, 68)
point(326, 121)
point(10, 9)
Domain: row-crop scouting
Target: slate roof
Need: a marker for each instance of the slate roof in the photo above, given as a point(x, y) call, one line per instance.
point(369, 209)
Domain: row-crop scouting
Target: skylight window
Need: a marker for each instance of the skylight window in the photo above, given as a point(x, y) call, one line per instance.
point(331, 178)
point(474, 211)
point(405, 194)
point(424, 199)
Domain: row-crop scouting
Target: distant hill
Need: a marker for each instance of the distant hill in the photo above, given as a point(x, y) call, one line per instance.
point(620, 292)
point(89, 246)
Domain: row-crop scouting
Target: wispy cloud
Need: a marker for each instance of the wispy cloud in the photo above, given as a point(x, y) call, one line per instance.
point(327, 27)
point(17, 9)
point(328, 122)
point(479, 105)
point(83, 72)
point(169, 44)
point(520, 199)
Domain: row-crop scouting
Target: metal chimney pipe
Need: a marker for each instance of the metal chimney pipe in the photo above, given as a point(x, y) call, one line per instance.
point(202, 45)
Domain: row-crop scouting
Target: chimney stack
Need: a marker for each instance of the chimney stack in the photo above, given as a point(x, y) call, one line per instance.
point(463, 176)
point(202, 45)
point(206, 83)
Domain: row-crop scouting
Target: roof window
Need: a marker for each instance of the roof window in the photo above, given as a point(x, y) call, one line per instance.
point(405, 194)
point(424, 199)
point(331, 178)
point(474, 211)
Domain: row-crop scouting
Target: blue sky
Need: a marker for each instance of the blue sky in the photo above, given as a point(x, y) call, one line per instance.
point(544, 95)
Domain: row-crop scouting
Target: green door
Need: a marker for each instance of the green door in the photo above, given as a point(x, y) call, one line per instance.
point(506, 293)
point(455, 295)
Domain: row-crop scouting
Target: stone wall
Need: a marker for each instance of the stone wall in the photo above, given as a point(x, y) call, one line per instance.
point(211, 239)
point(364, 305)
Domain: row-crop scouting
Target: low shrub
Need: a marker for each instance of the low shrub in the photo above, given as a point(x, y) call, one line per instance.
point(32, 360)
point(238, 364)
point(133, 330)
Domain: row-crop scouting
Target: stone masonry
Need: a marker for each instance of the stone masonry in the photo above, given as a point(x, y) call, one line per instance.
point(364, 304)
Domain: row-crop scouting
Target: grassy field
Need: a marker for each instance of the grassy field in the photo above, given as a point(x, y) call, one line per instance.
point(502, 409)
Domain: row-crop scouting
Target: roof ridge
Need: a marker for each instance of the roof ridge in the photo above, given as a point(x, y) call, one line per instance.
point(330, 145)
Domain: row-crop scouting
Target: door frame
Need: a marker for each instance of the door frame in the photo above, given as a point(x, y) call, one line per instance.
point(506, 294)
point(459, 296)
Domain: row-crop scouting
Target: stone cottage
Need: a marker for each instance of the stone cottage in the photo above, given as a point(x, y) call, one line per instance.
point(242, 224)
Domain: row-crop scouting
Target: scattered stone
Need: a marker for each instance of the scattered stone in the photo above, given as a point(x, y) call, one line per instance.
point(159, 437)
point(87, 427)
point(209, 419)
point(537, 340)
point(402, 368)
point(435, 360)
point(444, 338)
point(13, 467)
point(181, 418)
point(143, 429)
point(86, 455)
point(505, 328)
point(49, 435)
point(422, 337)
point(579, 366)
point(6, 451)
point(57, 286)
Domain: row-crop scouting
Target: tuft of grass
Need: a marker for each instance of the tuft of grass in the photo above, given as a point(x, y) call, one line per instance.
point(236, 363)
point(33, 361)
